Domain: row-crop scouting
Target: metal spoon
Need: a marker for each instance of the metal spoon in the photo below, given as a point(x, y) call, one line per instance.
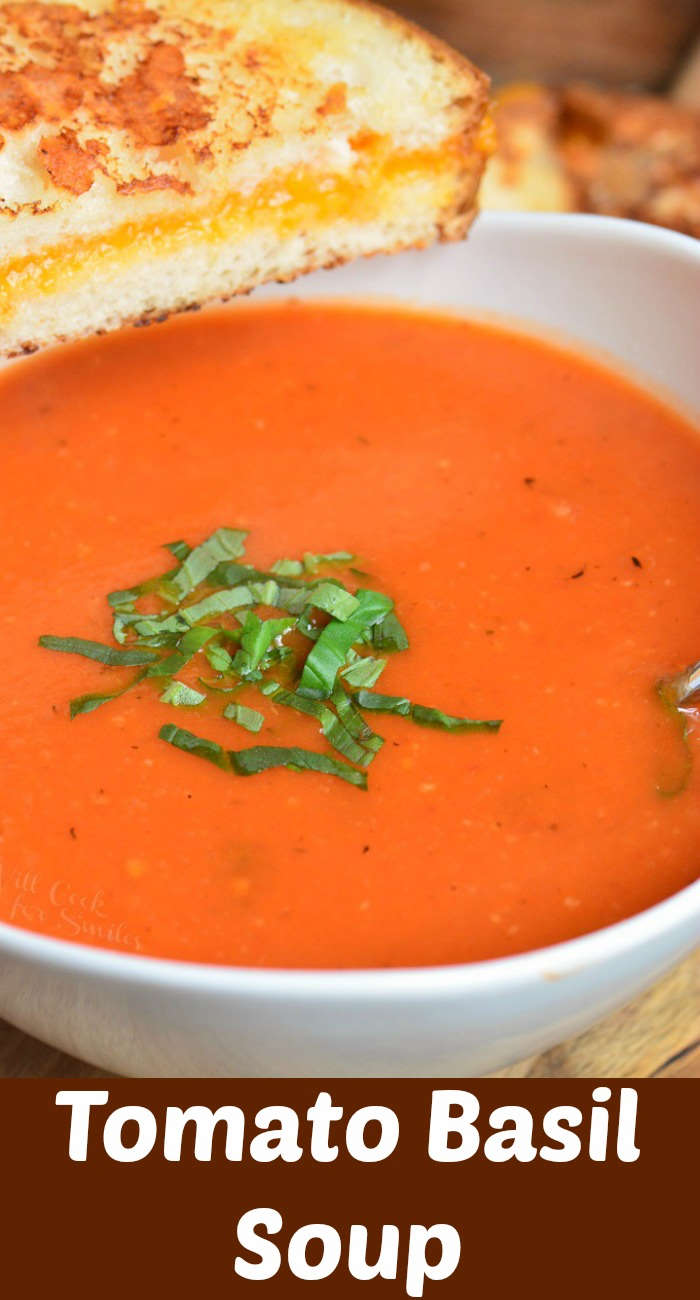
point(685, 685)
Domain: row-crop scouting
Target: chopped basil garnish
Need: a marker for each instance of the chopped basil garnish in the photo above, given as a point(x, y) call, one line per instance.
point(313, 562)
point(219, 658)
point(389, 634)
point(248, 762)
point(182, 696)
point(258, 636)
point(436, 718)
point(245, 717)
point(88, 703)
point(179, 549)
point(222, 602)
point(364, 671)
point(102, 654)
point(334, 600)
point(288, 568)
point(216, 605)
point(189, 644)
point(192, 744)
point(330, 651)
point(224, 544)
point(427, 717)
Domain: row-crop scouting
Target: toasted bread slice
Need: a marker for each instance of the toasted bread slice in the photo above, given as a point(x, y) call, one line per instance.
point(158, 155)
point(526, 171)
point(581, 149)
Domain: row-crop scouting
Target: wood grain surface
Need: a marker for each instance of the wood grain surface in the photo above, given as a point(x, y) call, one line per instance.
point(656, 1036)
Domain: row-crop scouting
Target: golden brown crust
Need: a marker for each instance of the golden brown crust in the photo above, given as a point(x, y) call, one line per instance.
point(58, 69)
point(607, 152)
point(70, 165)
point(632, 156)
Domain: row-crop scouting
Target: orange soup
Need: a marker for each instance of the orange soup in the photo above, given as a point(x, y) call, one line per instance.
point(530, 519)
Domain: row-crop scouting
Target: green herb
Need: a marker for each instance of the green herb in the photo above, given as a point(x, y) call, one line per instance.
point(327, 674)
point(179, 549)
point(258, 636)
point(353, 720)
point(388, 634)
point(313, 562)
point(249, 762)
point(88, 703)
point(191, 744)
point(265, 592)
point(219, 658)
point(288, 568)
point(188, 646)
point(102, 654)
point(224, 544)
point(222, 602)
point(182, 696)
point(337, 733)
point(334, 600)
point(330, 651)
point(248, 718)
point(364, 671)
point(427, 717)
point(124, 600)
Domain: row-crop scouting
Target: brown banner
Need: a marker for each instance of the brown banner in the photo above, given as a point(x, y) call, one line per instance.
point(593, 1199)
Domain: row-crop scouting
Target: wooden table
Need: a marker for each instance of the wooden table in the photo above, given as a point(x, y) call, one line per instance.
point(657, 1036)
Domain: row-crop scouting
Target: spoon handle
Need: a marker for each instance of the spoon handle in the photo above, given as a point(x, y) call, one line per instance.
point(687, 683)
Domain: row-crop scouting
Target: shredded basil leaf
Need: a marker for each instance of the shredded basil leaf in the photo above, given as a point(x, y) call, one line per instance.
point(353, 720)
point(179, 549)
point(329, 653)
point(102, 654)
point(219, 658)
point(188, 646)
point(340, 736)
point(245, 717)
point(224, 544)
point(334, 600)
point(364, 671)
point(427, 717)
point(332, 684)
point(258, 636)
point(88, 703)
point(389, 634)
point(249, 762)
point(265, 592)
point(197, 745)
point(221, 602)
point(182, 696)
point(312, 562)
point(288, 568)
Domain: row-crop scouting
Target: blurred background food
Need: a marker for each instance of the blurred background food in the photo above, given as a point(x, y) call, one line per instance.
point(597, 102)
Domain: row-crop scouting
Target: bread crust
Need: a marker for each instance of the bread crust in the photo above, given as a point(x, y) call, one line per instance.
point(580, 148)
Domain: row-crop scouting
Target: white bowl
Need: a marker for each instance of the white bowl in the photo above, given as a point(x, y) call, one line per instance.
point(631, 291)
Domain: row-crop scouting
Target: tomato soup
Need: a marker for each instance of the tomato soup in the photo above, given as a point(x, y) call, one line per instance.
point(534, 520)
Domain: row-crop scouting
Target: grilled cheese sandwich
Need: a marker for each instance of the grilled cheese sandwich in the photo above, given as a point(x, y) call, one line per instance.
point(157, 155)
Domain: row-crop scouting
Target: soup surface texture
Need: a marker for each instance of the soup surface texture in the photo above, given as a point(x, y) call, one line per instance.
point(535, 519)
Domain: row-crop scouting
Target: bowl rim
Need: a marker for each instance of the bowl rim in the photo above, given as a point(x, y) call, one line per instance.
point(544, 964)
